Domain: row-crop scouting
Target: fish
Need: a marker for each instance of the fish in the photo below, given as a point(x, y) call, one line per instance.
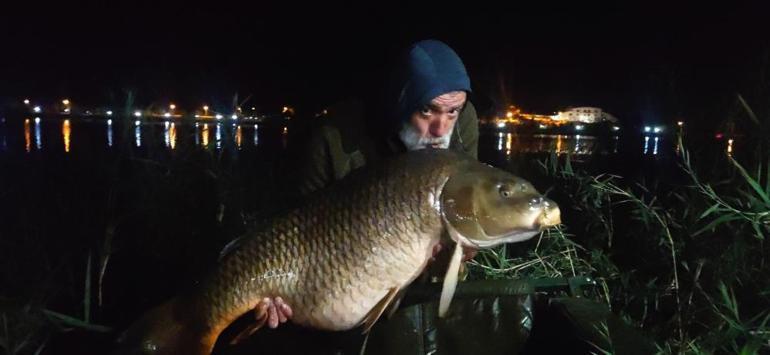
point(342, 259)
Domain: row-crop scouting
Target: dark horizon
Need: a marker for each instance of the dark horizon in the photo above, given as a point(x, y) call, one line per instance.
point(638, 64)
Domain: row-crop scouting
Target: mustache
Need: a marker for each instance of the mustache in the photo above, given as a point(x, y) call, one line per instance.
point(412, 139)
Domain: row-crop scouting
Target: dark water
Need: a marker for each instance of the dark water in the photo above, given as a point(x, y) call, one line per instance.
point(144, 207)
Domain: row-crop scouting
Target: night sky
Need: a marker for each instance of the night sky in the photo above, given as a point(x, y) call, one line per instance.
point(645, 63)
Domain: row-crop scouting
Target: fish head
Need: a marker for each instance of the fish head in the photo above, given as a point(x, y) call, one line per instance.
point(484, 206)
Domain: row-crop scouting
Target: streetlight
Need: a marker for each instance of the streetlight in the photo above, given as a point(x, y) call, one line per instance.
point(172, 107)
point(206, 110)
point(26, 101)
point(65, 102)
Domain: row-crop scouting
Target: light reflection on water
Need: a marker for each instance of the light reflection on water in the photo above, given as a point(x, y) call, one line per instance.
point(646, 149)
point(66, 131)
point(27, 136)
point(238, 136)
point(38, 134)
point(256, 135)
point(169, 134)
point(109, 133)
point(219, 136)
point(545, 143)
point(205, 134)
point(138, 134)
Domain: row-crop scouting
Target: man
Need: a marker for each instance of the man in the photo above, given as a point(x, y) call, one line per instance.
point(426, 106)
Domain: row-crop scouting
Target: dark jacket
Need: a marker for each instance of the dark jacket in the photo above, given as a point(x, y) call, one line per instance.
point(355, 133)
point(345, 142)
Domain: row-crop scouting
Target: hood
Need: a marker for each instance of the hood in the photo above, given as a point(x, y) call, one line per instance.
point(428, 69)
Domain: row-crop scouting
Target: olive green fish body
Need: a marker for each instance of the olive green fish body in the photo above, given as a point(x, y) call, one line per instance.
point(352, 245)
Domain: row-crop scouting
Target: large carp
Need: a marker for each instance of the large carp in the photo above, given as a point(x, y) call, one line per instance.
point(338, 261)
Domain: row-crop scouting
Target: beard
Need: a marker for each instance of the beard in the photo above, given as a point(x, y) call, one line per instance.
point(414, 141)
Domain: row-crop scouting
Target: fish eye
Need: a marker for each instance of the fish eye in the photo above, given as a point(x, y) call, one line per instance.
point(505, 191)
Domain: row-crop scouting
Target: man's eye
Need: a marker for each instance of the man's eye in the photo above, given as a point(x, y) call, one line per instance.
point(425, 111)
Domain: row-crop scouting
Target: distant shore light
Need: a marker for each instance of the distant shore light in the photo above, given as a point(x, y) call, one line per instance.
point(218, 116)
point(37, 109)
point(138, 114)
point(26, 101)
point(109, 113)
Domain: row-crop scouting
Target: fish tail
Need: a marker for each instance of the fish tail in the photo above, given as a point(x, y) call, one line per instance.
point(166, 330)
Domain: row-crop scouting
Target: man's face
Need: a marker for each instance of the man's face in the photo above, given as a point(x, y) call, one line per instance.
point(432, 125)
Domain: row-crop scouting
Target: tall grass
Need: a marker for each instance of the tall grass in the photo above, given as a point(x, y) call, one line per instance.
point(686, 263)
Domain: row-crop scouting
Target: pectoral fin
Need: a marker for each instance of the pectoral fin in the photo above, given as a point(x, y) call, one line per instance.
point(450, 281)
point(378, 309)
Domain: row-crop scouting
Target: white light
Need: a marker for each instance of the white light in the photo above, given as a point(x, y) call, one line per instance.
point(136, 123)
point(578, 127)
point(166, 124)
point(109, 122)
point(657, 129)
point(109, 113)
point(138, 114)
point(37, 109)
point(26, 102)
point(234, 116)
point(501, 125)
point(219, 117)
point(542, 126)
point(647, 128)
point(166, 114)
point(615, 128)
point(37, 119)
point(196, 116)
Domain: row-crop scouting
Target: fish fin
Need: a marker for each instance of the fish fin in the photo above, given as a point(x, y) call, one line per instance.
point(260, 315)
point(230, 247)
point(450, 281)
point(375, 313)
point(167, 330)
point(393, 306)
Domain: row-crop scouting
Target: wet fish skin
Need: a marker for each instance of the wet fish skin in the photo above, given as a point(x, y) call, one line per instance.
point(334, 259)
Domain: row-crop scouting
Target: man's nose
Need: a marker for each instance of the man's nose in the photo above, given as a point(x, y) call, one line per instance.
point(440, 126)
